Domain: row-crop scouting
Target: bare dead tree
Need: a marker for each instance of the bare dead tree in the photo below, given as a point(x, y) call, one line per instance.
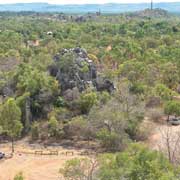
point(170, 143)
point(86, 169)
point(92, 169)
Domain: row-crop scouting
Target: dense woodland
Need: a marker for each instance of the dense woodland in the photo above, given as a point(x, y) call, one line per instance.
point(134, 62)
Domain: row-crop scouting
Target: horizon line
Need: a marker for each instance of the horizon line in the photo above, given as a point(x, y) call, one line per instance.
point(143, 2)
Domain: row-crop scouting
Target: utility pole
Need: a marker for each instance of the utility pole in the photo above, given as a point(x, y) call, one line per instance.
point(151, 4)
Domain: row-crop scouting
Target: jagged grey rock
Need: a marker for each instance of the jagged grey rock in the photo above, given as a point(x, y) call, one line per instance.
point(74, 70)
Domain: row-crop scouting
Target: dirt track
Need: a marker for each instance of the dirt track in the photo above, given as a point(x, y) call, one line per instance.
point(160, 134)
point(34, 167)
point(46, 167)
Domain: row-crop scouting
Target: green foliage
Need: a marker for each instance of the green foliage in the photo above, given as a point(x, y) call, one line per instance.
point(170, 75)
point(137, 88)
point(143, 52)
point(10, 118)
point(117, 121)
point(19, 176)
point(53, 125)
point(59, 102)
point(164, 92)
point(85, 67)
point(136, 163)
point(79, 127)
point(172, 108)
point(87, 101)
point(35, 131)
point(33, 81)
point(109, 140)
point(104, 97)
point(66, 63)
point(77, 169)
point(54, 128)
point(72, 169)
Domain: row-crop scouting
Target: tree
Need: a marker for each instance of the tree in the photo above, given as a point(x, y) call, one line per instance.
point(79, 169)
point(111, 140)
point(118, 119)
point(164, 92)
point(87, 101)
point(172, 108)
point(32, 80)
point(170, 144)
point(170, 75)
point(55, 128)
point(78, 127)
point(137, 162)
point(10, 119)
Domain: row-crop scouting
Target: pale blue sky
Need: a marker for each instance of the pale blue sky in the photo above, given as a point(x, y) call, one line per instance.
point(83, 1)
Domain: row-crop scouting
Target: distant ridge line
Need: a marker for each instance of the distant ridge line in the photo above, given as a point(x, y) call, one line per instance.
point(173, 7)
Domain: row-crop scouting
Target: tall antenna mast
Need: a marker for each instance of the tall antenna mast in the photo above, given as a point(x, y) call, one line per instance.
point(151, 4)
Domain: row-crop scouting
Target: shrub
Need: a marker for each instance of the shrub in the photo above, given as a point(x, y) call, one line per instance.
point(19, 176)
point(110, 140)
point(87, 100)
point(164, 92)
point(79, 169)
point(155, 114)
point(137, 88)
point(53, 126)
point(59, 102)
point(78, 126)
point(172, 108)
point(104, 97)
point(35, 131)
point(136, 163)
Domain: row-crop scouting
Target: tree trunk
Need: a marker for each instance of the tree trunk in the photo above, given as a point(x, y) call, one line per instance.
point(12, 145)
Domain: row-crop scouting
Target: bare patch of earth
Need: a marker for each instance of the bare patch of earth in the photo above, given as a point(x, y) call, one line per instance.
point(35, 167)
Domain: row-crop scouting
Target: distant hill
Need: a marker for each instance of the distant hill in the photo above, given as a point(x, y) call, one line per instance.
point(156, 13)
point(173, 7)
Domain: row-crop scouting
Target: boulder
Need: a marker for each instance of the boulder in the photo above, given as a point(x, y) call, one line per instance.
point(103, 84)
point(74, 70)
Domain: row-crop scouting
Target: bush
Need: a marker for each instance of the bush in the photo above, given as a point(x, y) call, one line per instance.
point(155, 114)
point(59, 102)
point(137, 88)
point(78, 127)
point(172, 108)
point(35, 131)
point(87, 100)
point(79, 169)
point(136, 163)
point(164, 92)
point(104, 97)
point(111, 141)
point(19, 176)
point(54, 128)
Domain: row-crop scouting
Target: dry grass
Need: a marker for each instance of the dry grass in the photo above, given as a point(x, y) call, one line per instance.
point(34, 167)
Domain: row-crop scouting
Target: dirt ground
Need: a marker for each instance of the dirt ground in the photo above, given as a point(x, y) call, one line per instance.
point(34, 167)
point(46, 167)
point(162, 133)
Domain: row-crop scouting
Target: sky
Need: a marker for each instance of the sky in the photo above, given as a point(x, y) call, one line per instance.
point(82, 1)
